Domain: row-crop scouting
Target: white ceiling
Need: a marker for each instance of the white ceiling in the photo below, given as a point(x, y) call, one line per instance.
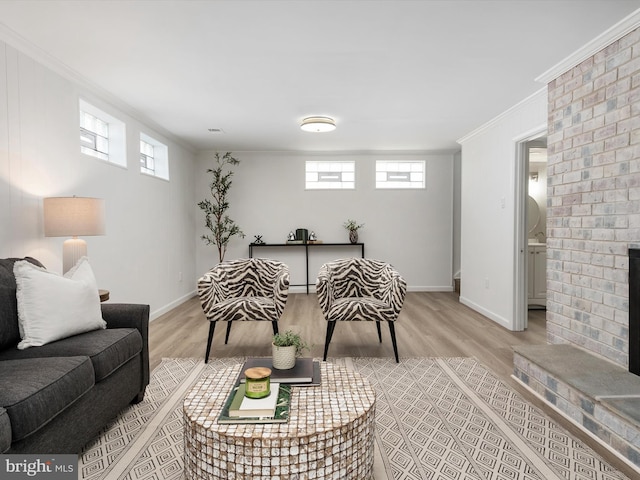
point(395, 75)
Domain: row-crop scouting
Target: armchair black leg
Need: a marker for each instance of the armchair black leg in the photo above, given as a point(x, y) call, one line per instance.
point(274, 323)
point(392, 330)
point(212, 327)
point(330, 327)
point(226, 338)
point(379, 332)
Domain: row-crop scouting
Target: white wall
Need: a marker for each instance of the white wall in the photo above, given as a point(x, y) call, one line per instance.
point(411, 229)
point(150, 222)
point(488, 217)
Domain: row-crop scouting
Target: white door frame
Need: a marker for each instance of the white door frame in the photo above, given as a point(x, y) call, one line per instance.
point(521, 191)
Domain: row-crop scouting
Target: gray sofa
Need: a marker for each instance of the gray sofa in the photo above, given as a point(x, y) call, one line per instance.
point(57, 397)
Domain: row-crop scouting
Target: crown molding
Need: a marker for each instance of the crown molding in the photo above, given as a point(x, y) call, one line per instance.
point(619, 30)
point(539, 95)
point(350, 153)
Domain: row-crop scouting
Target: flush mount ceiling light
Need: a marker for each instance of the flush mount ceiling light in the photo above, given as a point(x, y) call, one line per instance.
point(318, 124)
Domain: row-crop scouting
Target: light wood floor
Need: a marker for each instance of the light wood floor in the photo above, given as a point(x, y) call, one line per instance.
point(431, 324)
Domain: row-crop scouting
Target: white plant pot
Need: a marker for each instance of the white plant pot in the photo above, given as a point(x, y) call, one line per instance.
point(283, 358)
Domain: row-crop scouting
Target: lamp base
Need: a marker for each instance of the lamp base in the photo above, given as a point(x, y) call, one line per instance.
point(73, 250)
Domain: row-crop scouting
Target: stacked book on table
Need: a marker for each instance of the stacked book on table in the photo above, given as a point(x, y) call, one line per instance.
point(305, 373)
point(273, 408)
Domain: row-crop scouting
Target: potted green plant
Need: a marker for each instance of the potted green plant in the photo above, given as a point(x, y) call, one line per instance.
point(352, 227)
point(215, 209)
point(286, 347)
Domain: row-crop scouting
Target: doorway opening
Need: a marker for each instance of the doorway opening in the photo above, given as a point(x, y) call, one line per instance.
point(537, 225)
point(531, 234)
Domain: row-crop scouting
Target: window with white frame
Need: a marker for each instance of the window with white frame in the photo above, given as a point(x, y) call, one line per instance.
point(401, 174)
point(102, 135)
point(330, 175)
point(94, 136)
point(154, 157)
point(146, 158)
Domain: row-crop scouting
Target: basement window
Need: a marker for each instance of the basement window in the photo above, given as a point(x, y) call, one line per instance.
point(154, 157)
point(147, 164)
point(327, 175)
point(400, 174)
point(102, 135)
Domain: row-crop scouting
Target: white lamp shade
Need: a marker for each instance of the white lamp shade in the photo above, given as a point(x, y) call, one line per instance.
point(73, 216)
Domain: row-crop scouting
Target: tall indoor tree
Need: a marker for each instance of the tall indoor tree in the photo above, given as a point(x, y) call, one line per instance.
point(215, 209)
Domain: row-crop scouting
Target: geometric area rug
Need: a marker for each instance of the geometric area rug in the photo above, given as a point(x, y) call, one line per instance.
point(436, 418)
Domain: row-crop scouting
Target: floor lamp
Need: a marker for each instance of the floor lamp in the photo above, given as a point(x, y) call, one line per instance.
point(73, 217)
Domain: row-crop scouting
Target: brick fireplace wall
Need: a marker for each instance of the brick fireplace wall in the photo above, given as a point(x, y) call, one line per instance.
point(594, 199)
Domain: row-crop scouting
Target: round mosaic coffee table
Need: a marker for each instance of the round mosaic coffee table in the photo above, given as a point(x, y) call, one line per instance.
point(329, 434)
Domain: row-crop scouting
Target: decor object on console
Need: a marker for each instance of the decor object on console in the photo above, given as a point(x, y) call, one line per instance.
point(354, 289)
point(299, 238)
point(216, 218)
point(244, 289)
point(258, 240)
point(57, 397)
point(285, 348)
point(352, 227)
point(73, 217)
point(302, 235)
point(313, 239)
point(307, 248)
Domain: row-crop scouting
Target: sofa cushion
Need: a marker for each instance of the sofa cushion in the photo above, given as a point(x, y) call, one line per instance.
point(35, 390)
point(108, 349)
point(51, 307)
point(5, 431)
point(9, 331)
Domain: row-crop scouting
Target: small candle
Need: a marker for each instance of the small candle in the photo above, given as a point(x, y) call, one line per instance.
point(258, 382)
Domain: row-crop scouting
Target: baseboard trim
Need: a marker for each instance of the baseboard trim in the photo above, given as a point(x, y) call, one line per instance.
point(448, 288)
point(298, 289)
point(170, 306)
point(490, 315)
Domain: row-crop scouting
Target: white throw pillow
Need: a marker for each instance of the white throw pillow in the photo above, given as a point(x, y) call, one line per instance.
point(51, 307)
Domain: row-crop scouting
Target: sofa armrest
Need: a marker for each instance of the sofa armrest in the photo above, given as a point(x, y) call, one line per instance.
point(131, 315)
point(126, 315)
point(5, 431)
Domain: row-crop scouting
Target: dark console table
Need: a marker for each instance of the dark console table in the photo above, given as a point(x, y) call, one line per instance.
point(307, 247)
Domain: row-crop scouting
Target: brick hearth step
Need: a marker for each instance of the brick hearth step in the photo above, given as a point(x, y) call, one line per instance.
point(600, 396)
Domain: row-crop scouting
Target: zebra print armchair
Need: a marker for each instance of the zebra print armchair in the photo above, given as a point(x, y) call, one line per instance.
point(354, 289)
point(245, 289)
